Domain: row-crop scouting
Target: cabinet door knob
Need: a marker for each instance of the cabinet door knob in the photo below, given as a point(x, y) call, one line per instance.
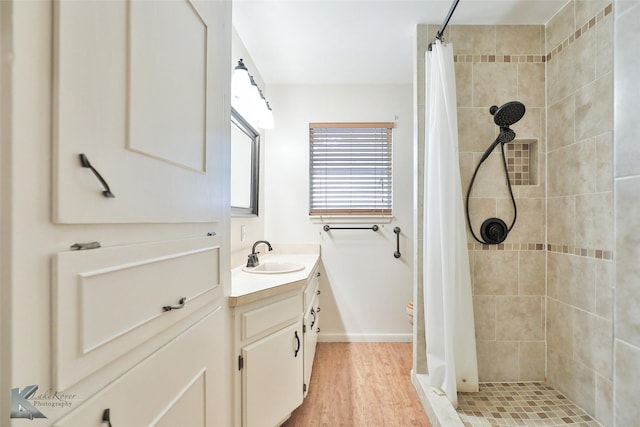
point(295, 354)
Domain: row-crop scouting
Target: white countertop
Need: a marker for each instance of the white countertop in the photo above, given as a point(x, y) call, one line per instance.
point(249, 287)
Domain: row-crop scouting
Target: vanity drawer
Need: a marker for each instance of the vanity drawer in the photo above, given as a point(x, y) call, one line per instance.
point(258, 321)
point(108, 303)
point(179, 385)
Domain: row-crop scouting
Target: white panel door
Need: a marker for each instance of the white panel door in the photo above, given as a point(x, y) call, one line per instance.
point(137, 90)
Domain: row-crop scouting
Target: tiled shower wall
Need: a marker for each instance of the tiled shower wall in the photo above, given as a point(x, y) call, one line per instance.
point(494, 65)
point(560, 253)
point(579, 205)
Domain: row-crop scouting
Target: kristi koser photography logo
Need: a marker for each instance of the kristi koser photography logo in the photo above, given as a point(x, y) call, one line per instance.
point(26, 403)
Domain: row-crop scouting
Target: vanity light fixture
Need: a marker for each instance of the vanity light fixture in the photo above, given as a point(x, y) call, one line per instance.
point(248, 97)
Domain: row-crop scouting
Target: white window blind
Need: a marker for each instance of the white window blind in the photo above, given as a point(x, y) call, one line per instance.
point(350, 168)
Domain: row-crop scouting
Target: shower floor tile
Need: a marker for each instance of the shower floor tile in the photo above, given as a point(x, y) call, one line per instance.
point(520, 404)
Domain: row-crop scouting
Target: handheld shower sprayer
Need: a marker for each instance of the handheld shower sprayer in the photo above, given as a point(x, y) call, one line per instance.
point(494, 230)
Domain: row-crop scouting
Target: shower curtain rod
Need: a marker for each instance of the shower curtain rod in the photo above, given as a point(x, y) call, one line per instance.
point(440, 32)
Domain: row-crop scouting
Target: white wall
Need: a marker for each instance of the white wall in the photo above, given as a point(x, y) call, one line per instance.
point(366, 289)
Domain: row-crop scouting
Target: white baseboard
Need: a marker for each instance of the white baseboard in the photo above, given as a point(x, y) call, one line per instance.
point(345, 337)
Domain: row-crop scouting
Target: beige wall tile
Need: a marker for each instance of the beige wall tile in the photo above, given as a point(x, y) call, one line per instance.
point(560, 123)
point(531, 272)
point(464, 89)
point(604, 46)
point(604, 401)
point(531, 87)
point(626, 384)
point(476, 130)
point(532, 361)
point(484, 312)
point(495, 273)
point(519, 39)
point(594, 221)
point(594, 108)
point(587, 9)
point(604, 162)
point(489, 352)
point(593, 342)
point(494, 83)
point(561, 220)
point(604, 288)
point(559, 327)
point(571, 170)
point(519, 318)
point(558, 270)
point(583, 56)
point(573, 379)
point(529, 226)
point(582, 282)
point(473, 39)
point(560, 27)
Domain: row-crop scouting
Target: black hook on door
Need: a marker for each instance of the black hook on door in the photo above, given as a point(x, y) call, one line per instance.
point(84, 161)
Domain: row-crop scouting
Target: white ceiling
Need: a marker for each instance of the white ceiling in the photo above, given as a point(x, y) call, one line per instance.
point(358, 41)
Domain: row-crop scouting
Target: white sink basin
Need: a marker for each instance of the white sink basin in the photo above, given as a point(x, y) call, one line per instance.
point(274, 268)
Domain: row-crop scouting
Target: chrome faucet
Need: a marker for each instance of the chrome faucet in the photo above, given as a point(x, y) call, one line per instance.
point(253, 256)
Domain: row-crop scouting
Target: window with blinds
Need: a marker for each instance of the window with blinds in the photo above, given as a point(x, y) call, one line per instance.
point(350, 168)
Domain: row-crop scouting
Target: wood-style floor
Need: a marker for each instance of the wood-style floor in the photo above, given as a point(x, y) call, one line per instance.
point(361, 385)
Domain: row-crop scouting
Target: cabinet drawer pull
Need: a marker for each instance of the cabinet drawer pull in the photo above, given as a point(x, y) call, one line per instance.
point(318, 330)
point(295, 354)
point(318, 274)
point(181, 303)
point(318, 292)
point(318, 309)
point(313, 313)
point(106, 417)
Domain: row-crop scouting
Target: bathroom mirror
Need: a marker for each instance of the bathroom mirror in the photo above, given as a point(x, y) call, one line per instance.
point(245, 154)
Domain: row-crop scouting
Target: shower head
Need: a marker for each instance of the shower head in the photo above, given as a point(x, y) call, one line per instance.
point(506, 135)
point(507, 114)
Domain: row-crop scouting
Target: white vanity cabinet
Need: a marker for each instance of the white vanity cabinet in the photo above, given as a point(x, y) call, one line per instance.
point(270, 359)
point(274, 349)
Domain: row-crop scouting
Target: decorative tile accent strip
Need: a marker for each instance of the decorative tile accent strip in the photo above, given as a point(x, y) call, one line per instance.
point(562, 249)
point(580, 31)
point(500, 58)
point(475, 246)
point(520, 404)
point(584, 252)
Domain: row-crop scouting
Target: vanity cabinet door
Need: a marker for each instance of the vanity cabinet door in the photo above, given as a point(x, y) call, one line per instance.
point(272, 377)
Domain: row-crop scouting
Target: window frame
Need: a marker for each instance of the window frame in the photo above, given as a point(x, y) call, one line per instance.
point(353, 213)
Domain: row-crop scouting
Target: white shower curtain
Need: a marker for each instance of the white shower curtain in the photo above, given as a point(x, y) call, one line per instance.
point(449, 324)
